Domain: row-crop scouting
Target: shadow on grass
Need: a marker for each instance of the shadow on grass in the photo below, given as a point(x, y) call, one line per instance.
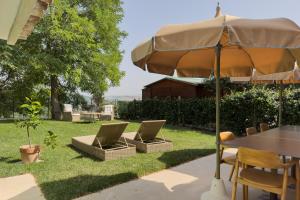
point(8, 121)
point(9, 160)
point(81, 185)
point(179, 128)
point(82, 154)
point(4, 159)
point(173, 158)
point(14, 161)
point(183, 128)
point(84, 122)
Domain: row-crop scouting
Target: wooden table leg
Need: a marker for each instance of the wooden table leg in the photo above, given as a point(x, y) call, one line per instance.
point(272, 195)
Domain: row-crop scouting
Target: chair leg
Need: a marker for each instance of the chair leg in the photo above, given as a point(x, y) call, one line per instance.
point(235, 180)
point(231, 173)
point(245, 192)
point(285, 184)
point(297, 171)
point(234, 189)
point(298, 190)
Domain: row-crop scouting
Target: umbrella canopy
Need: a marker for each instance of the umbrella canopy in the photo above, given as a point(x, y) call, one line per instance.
point(268, 45)
point(19, 17)
point(226, 45)
point(289, 77)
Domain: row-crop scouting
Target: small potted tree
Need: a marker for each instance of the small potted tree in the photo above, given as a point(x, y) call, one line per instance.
point(31, 111)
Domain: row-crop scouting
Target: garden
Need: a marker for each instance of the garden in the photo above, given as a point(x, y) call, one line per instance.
point(65, 173)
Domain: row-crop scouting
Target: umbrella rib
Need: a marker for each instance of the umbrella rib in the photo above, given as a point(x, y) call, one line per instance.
point(289, 51)
point(253, 65)
point(187, 51)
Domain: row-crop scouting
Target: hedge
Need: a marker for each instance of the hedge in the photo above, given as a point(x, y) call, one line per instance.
point(238, 110)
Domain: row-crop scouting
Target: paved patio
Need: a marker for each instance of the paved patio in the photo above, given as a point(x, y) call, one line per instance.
point(184, 182)
point(21, 187)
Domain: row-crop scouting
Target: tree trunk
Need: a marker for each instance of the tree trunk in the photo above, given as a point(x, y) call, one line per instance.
point(98, 99)
point(55, 107)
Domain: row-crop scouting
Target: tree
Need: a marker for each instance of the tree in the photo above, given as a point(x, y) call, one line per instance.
point(76, 45)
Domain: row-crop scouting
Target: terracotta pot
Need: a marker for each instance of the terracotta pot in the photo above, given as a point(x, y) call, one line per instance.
point(30, 154)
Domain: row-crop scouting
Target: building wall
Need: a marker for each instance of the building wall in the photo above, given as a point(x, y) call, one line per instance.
point(169, 88)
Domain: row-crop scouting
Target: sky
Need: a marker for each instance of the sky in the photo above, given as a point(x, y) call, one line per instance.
point(143, 18)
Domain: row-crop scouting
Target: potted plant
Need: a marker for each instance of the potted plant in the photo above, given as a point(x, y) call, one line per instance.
point(31, 111)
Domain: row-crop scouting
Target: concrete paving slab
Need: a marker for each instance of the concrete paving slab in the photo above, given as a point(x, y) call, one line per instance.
point(184, 182)
point(21, 187)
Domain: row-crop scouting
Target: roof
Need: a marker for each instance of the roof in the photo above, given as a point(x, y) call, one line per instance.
point(18, 18)
point(191, 81)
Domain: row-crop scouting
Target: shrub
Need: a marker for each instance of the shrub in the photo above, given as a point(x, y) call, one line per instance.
point(239, 110)
point(245, 109)
point(291, 107)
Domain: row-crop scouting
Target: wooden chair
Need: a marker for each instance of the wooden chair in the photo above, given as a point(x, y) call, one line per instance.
point(251, 131)
point(230, 160)
point(264, 127)
point(267, 181)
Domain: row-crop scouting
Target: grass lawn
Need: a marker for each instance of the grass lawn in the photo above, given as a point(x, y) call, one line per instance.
point(67, 173)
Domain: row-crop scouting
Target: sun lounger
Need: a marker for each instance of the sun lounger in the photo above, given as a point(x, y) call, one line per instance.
point(146, 139)
point(107, 144)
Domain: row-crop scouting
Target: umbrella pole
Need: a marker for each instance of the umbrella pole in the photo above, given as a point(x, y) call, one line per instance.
point(218, 57)
point(280, 103)
point(217, 188)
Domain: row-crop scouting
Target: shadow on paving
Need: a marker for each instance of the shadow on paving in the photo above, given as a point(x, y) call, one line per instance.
point(71, 188)
point(173, 158)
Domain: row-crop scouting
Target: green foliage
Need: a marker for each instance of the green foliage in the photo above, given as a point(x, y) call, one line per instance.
point(245, 109)
point(51, 140)
point(291, 107)
point(189, 111)
point(31, 110)
point(239, 110)
point(76, 43)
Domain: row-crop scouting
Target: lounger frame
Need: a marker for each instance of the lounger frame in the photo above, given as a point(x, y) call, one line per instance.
point(117, 152)
point(157, 145)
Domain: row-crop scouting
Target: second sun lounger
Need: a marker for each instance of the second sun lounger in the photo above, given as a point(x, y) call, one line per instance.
point(146, 139)
point(107, 144)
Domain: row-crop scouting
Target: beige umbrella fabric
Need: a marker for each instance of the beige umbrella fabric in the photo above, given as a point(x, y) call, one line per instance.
point(268, 45)
point(289, 77)
point(226, 45)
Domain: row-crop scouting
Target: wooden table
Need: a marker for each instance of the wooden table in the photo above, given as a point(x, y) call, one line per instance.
point(284, 141)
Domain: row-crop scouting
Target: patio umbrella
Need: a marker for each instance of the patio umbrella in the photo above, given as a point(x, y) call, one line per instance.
point(227, 46)
point(289, 77)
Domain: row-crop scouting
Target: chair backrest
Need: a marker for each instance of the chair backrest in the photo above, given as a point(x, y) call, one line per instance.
point(264, 127)
point(68, 108)
point(251, 131)
point(109, 134)
point(149, 130)
point(226, 136)
point(257, 158)
point(108, 109)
